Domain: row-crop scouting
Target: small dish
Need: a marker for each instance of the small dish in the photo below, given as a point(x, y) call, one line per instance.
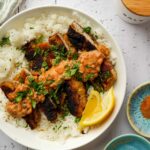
point(128, 141)
point(140, 124)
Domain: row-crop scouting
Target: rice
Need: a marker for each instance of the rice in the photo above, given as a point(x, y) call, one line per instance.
point(12, 60)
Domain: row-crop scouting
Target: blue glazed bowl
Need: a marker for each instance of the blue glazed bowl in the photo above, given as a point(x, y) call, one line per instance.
point(128, 142)
point(140, 124)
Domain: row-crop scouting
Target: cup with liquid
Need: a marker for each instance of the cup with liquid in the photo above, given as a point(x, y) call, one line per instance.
point(134, 11)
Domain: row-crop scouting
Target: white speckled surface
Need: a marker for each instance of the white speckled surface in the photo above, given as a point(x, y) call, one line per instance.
point(134, 41)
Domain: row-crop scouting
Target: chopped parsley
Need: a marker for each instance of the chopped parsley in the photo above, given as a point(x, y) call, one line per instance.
point(65, 128)
point(95, 36)
point(75, 56)
point(45, 65)
point(106, 74)
point(5, 41)
point(60, 53)
point(31, 27)
point(37, 51)
point(54, 48)
point(17, 64)
point(89, 76)
point(72, 71)
point(46, 52)
point(21, 80)
point(56, 61)
point(97, 85)
point(87, 29)
point(65, 111)
point(30, 92)
point(88, 66)
point(39, 39)
point(38, 86)
point(20, 96)
point(76, 120)
point(87, 85)
point(33, 103)
point(78, 76)
point(49, 81)
point(53, 95)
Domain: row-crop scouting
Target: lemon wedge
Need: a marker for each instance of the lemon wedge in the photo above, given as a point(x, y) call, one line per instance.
point(98, 108)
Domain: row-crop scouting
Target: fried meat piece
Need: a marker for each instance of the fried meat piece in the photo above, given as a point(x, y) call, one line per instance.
point(7, 87)
point(72, 49)
point(29, 50)
point(20, 109)
point(49, 108)
point(21, 77)
point(109, 74)
point(80, 39)
point(34, 118)
point(57, 39)
point(36, 64)
point(90, 63)
point(76, 97)
point(103, 49)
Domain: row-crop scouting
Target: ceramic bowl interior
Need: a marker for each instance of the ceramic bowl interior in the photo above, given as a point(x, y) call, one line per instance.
point(140, 124)
point(32, 140)
point(128, 142)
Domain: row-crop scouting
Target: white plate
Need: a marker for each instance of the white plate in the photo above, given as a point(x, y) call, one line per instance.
point(28, 138)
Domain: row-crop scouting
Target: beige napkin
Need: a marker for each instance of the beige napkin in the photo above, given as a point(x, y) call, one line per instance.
point(7, 8)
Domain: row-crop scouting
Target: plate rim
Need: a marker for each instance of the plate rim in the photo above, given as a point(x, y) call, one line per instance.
point(113, 41)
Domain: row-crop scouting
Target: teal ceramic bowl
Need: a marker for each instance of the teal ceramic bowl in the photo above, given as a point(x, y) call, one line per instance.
point(128, 142)
point(140, 124)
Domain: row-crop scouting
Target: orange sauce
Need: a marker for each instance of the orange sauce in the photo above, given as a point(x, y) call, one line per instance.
point(145, 107)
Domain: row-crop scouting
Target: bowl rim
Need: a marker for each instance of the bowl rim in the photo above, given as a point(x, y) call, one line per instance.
point(112, 39)
point(135, 90)
point(124, 136)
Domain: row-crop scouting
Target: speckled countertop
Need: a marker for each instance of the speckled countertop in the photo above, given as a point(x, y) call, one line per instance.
point(134, 41)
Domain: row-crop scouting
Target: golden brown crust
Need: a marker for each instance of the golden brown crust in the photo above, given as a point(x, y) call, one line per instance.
point(76, 97)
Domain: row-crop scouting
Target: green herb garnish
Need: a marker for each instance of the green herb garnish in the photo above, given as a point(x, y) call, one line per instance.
point(37, 51)
point(89, 76)
point(45, 65)
point(39, 39)
point(38, 86)
point(49, 81)
point(56, 61)
point(20, 96)
point(60, 53)
point(5, 41)
point(72, 71)
point(31, 27)
point(21, 80)
point(87, 29)
point(76, 120)
point(33, 103)
point(75, 56)
point(30, 92)
point(78, 76)
point(106, 74)
point(88, 66)
point(87, 85)
point(53, 95)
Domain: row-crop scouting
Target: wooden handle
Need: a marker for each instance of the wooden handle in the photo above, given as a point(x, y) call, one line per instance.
point(139, 7)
